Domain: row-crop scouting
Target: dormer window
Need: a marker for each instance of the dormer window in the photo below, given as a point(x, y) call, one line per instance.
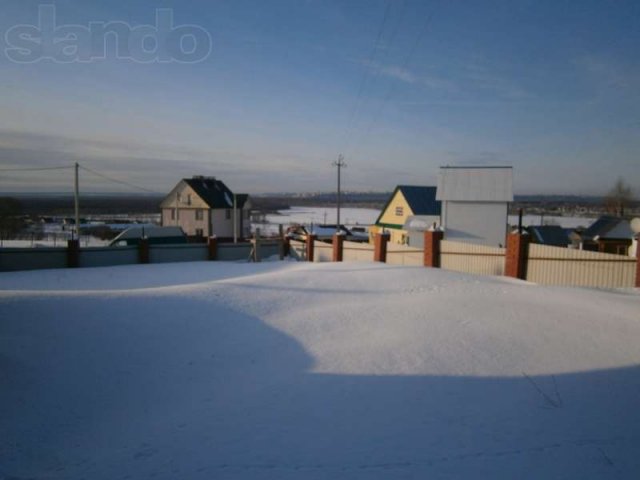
point(399, 211)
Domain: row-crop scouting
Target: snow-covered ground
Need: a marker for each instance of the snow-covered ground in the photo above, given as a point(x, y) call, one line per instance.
point(313, 371)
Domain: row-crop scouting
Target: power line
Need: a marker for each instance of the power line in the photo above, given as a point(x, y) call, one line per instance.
point(34, 169)
point(366, 72)
point(405, 65)
point(115, 180)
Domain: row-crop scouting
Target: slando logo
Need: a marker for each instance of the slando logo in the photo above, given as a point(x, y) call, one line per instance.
point(163, 42)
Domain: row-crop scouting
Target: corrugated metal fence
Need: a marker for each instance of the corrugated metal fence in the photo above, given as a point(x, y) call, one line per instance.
point(564, 266)
point(472, 258)
point(357, 252)
point(404, 255)
point(546, 265)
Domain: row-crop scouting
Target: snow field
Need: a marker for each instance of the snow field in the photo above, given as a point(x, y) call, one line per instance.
point(296, 370)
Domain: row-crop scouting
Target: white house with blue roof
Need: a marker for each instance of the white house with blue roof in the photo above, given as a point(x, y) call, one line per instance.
point(205, 206)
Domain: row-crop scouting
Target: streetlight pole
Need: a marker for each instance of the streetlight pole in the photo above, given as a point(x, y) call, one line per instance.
point(339, 163)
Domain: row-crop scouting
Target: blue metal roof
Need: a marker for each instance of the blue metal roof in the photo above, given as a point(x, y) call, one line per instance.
point(421, 200)
point(609, 227)
point(550, 235)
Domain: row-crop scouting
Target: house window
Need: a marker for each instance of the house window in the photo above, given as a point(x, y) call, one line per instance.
point(399, 211)
point(173, 214)
point(199, 214)
point(227, 214)
point(189, 199)
point(199, 232)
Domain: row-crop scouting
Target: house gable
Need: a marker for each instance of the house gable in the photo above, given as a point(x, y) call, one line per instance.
point(183, 196)
point(406, 201)
point(395, 212)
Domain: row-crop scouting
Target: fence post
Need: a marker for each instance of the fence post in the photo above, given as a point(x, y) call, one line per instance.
point(256, 246)
point(517, 255)
point(380, 247)
point(311, 239)
point(286, 246)
point(212, 246)
point(281, 244)
point(432, 239)
point(143, 250)
point(638, 263)
point(73, 253)
point(338, 245)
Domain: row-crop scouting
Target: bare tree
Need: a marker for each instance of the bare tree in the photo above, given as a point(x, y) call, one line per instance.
point(619, 197)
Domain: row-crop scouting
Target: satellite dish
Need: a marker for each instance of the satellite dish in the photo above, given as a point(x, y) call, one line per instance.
point(635, 225)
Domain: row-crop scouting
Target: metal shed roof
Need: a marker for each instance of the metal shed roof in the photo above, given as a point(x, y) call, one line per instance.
point(475, 184)
point(550, 235)
point(609, 227)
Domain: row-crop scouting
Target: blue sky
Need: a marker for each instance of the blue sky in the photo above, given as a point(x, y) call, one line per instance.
point(399, 87)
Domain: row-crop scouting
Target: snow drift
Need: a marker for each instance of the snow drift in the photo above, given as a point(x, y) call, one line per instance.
point(285, 370)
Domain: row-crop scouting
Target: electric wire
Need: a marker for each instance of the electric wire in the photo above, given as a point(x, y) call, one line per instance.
point(365, 75)
point(115, 180)
point(393, 88)
point(34, 169)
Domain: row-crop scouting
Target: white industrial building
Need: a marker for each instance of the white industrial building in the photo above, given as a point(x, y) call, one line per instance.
point(475, 203)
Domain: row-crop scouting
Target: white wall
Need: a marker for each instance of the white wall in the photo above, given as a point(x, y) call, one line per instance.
point(483, 223)
point(223, 227)
point(220, 226)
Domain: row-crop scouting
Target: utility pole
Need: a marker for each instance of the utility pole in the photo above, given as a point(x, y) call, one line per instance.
point(339, 163)
point(235, 219)
point(76, 195)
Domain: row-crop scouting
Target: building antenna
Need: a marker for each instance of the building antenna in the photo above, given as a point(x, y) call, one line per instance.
point(340, 164)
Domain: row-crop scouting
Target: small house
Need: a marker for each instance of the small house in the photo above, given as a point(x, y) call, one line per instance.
point(609, 235)
point(475, 202)
point(204, 207)
point(407, 201)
